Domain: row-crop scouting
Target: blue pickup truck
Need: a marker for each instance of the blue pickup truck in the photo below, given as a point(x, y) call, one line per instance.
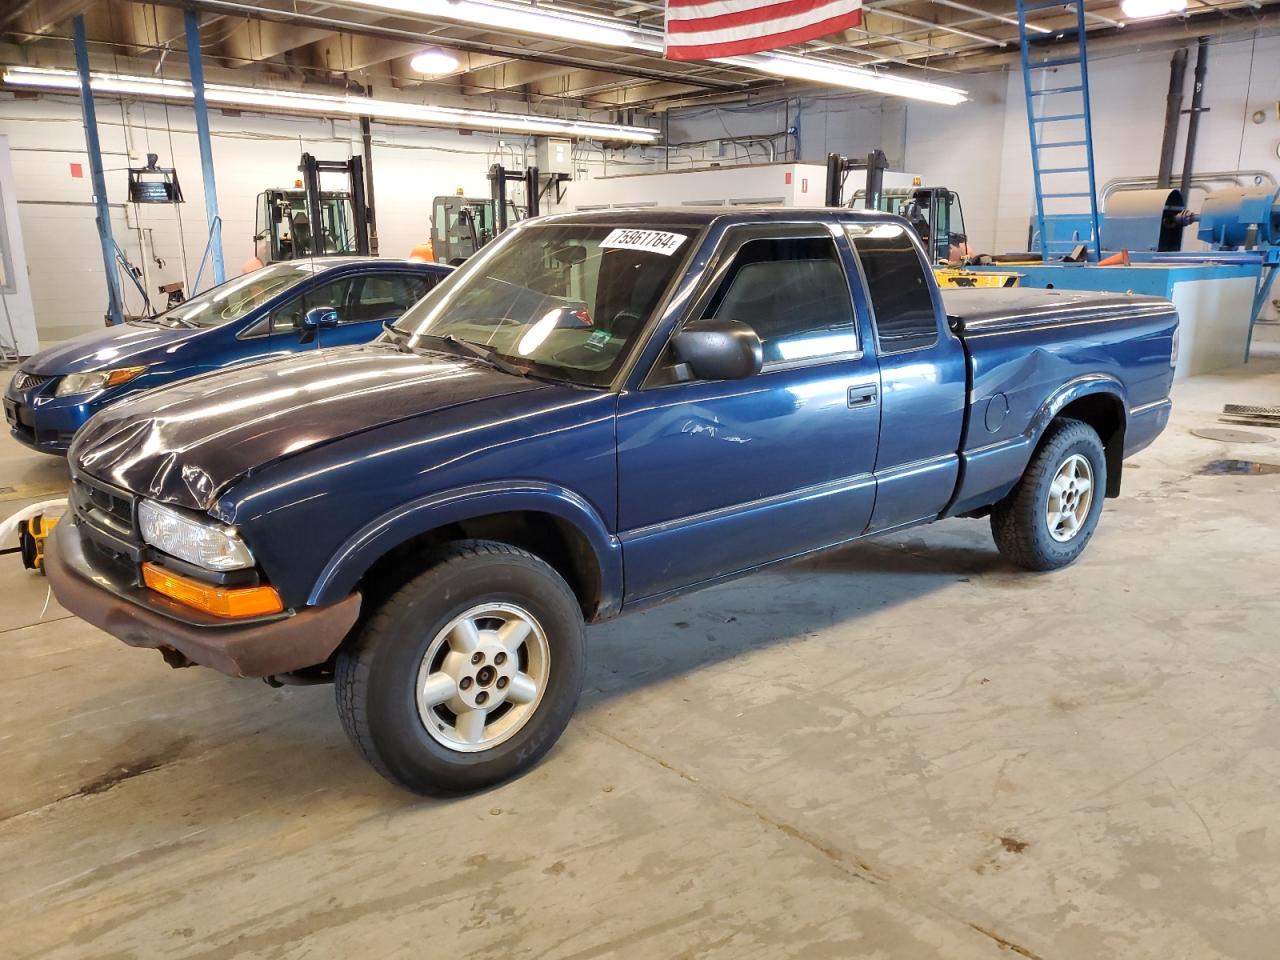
point(281, 309)
point(596, 413)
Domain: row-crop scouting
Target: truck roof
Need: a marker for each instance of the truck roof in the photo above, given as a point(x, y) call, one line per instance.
point(702, 216)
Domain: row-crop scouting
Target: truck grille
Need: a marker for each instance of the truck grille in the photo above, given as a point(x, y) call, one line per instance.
point(104, 508)
point(25, 381)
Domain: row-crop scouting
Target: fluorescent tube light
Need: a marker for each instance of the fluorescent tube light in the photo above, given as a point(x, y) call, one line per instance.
point(833, 74)
point(526, 18)
point(292, 101)
point(546, 21)
point(1145, 9)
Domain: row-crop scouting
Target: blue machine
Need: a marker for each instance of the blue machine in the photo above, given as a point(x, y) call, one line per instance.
point(1242, 224)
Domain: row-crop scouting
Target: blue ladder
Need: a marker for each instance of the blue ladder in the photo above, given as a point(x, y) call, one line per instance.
point(1058, 156)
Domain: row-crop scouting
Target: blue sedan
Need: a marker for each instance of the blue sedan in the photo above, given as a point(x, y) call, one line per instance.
point(281, 309)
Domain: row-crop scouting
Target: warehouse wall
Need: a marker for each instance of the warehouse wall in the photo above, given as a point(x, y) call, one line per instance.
point(251, 153)
point(981, 148)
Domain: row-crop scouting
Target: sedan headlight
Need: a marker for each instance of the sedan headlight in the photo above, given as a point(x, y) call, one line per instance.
point(204, 544)
point(74, 383)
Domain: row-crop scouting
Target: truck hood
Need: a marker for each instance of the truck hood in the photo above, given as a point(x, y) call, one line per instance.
point(127, 345)
point(185, 443)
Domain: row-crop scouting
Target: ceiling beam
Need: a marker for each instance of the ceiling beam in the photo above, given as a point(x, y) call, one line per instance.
point(329, 24)
point(35, 18)
point(256, 40)
point(509, 75)
point(344, 53)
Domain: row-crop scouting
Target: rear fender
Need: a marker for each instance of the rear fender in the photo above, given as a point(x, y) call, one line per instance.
point(373, 541)
point(1091, 385)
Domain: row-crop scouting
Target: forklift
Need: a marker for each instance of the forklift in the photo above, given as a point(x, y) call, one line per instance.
point(935, 213)
point(460, 226)
point(310, 222)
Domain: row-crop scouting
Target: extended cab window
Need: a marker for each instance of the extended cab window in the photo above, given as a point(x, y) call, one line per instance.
point(900, 293)
point(793, 292)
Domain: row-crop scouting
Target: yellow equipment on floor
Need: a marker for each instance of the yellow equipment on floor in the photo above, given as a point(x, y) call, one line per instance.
point(32, 534)
point(959, 277)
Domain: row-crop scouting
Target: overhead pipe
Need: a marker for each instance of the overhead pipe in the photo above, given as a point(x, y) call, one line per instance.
point(1193, 121)
point(1172, 117)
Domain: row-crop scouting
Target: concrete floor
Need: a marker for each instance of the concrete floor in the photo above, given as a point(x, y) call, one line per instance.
point(906, 749)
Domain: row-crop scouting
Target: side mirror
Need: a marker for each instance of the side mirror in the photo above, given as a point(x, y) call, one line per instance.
point(317, 318)
point(719, 349)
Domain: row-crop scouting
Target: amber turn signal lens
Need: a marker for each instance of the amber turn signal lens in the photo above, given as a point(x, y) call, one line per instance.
point(229, 602)
point(123, 375)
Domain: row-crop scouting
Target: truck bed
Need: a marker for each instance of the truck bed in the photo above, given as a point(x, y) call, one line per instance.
point(991, 310)
point(1029, 352)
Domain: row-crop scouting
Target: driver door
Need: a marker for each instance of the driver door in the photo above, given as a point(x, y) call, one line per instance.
point(285, 328)
point(715, 477)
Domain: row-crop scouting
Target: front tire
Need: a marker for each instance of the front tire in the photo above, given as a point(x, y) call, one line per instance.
point(1047, 520)
point(468, 674)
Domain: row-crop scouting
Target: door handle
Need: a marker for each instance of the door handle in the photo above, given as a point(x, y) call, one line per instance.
point(863, 395)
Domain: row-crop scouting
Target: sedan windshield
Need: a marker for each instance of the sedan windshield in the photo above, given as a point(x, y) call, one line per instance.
point(237, 297)
point(566, 301)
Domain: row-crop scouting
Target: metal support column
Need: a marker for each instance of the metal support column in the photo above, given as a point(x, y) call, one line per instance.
point(196, 64)
point(115, 310)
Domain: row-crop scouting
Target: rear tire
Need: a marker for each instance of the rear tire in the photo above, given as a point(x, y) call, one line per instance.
point(468, 674)
point(1047, 520)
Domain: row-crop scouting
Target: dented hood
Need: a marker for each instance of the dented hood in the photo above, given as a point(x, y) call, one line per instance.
point(185, 443)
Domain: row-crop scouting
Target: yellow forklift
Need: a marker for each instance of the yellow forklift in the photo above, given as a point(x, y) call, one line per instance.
point(460, 226)
point(938, 217)
point(307, 221)
point(934, 212)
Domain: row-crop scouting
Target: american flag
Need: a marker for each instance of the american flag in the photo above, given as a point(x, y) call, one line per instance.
point(704, 29)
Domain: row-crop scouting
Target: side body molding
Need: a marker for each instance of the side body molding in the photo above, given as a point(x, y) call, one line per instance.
point(354, 557)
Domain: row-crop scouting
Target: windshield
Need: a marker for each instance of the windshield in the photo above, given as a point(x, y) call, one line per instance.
point(237, 297)
point(567, 301)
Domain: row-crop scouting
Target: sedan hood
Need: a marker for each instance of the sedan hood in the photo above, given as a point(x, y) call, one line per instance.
point(185, 443)
point(122, 346)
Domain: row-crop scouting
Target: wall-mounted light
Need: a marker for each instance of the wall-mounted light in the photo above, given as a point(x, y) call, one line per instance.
point(292, 101)
point(433, 62)
point(1145, 9)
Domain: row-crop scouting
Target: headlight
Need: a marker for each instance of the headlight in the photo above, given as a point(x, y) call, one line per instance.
point(74, 383)
point(204, 544)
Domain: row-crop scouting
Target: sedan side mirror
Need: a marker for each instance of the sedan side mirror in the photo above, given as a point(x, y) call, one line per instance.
point(318, 318)
point(715, 349)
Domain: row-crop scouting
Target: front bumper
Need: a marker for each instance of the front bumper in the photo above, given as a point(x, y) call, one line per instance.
point(44, 423)
point(96, 592)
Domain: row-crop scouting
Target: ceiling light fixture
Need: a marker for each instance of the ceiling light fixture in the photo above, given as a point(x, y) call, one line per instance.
point(292, 101)
point(526, 18)
point(545, 21)
point(1146, 9)
point(433, 62)
point(816, 70)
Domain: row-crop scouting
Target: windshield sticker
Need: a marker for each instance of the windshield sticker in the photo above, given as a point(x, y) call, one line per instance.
point(655, 241)
point(598, 340)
